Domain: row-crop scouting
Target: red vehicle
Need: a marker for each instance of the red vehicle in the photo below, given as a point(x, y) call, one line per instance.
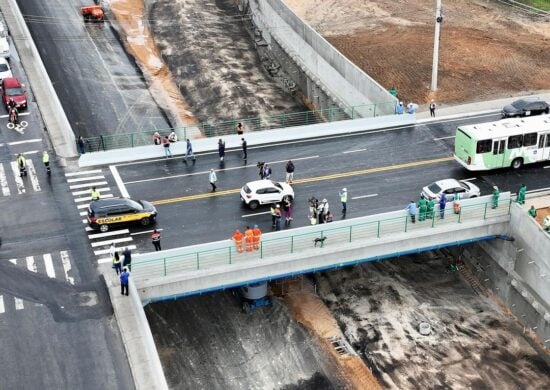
point(93, 13)
point(13, 89)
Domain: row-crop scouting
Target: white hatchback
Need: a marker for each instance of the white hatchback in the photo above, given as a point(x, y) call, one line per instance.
point(256, 193)
point(450, 187)
point(4, 44)
point(5, 70)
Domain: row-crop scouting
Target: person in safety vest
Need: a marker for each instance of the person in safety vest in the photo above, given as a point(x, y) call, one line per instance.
point(21, 161)
point(249, 238)
point(496, 195)
point(95, 193)
point(257, 233)
point(238, 238)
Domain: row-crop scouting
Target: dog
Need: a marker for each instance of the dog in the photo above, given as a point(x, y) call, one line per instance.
point(319, 240)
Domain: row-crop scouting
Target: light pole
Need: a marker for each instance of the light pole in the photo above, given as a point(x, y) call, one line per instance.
point(438, 20)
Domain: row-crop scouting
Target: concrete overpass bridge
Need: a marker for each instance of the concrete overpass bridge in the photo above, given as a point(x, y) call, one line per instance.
point(203, 268)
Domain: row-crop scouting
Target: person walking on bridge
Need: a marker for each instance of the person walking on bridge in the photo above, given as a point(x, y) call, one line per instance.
point(155, 238)
point(249, 238)
point(521, 194)
point(238, 238)
point(442, 205)
point(289, 171)
point(496, 195)
point(221, 149)
point(213, 179)
point(189, 153)
point(257, 235)
point(344, 200)
point(411, 208)
point(245, 148)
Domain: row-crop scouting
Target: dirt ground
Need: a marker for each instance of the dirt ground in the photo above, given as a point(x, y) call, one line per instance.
point(486, 51)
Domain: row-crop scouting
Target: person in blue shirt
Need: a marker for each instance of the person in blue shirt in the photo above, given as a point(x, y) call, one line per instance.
point(124, 279)
point(442, 205)
point(411, 208)
point(399, 109)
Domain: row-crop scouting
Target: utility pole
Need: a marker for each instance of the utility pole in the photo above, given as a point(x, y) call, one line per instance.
point(438, 21)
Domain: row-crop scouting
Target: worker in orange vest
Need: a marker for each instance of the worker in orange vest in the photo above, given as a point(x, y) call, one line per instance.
point(238, 238)
point(257, 234)
point(249, 238)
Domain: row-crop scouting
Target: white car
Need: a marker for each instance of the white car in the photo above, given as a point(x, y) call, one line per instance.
point(450, 187)
point(260, 192)
point(5, 70)
point(4, 44)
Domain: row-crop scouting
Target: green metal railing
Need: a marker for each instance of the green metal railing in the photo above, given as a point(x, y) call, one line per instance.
point(130, 140)
point(340, 236)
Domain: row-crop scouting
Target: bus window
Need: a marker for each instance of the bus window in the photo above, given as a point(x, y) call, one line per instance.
point(541, 141)
point(530, 139)
point(547, 140)
point(515, 141)
point(484, 146)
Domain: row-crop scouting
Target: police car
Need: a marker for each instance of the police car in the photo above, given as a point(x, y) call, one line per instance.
point(104, 213)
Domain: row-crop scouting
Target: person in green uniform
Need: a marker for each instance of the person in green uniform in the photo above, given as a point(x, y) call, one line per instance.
point(431, 206)
point(496, 194)
point(532, 212)
point(521, 194)
point(422, 208)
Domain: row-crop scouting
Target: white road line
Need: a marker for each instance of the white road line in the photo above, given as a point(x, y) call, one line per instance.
point(364, 196)
point(83, 213)
point(89, 198)
point(101, 190)
point(66, 266)
point(31, 265)
point(30, 152)
point(13, 261)
point(79, 173)
point(470, 179)
point(252, 215)
point(50, 271)
point(105, 260)
point(539, 190)
point(4, 181)
point(84, 221)
point(28, 141)
point(20, 114)
point(89, 185)
point(548, 166)
point(439, 139)
point(89, 229)
point(105, 251)
point(108, 234)
point(86, 179)
point(82, 206)
point(113, 240)
point(32, 174)
point(2, 308)
point(217, 170)
point(18, 180)
point(145, 232)
point(19, 304)
point(120, 184)
point(354, 151)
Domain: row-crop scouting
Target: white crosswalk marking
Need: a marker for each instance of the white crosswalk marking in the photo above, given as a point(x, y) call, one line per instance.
point(2, 308)
point(4, 182)
point(32, 175)
point(87, 192)
point(82, 206)
point(18, 301)
point(80, 179)
point(88, 185)
point(31, 265)
point(109, 242)
point(80, 173)
point(89, 198)
point(105, 260)
point(108, 234)
point(105, 251)
point(50, 271)
point(83, 213)
point(18, 180)
point(66, 266)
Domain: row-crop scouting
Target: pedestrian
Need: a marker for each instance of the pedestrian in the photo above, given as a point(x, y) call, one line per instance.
point(521, 194)
point(422, 208)
point(213, 179)
point(411, 208)
point(431, 206)
point(94, 193)
point(399, 109)
point(46, 159)
point(289, 172)
point(240, 128)
point(411, 108)
point(260, 166)
point(221, 149)
point(238, 238)
point(127, 261)
point(532, 212)
point(432, 109)
point(189, 153)
point(278, 217)
point(442, 205)
point(328, 217)
point(456, 203)
point(81, 145)
point(117, 264)
point(173, 137)
point(344, 199)
point(112, 251)
point(273, 215)
point(496, 194)
point(124, 279)
point(156, 138)
point(312, 214)
point(257, 235)
point(323, 210)
point(249, 238)
point(266, 172)
point(244, 146)
point(155, 238)
point(166, 145)
point(287, 209)
point(546, 223)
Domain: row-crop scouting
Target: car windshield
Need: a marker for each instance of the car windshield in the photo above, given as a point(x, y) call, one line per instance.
point(465, 186)
point(14, 92)
point(134, 204)
point(434, 188)
point(4, 68)
point(278, 185)
point(519, 104)
point(246, 189)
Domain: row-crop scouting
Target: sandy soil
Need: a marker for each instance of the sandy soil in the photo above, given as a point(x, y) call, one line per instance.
point(485, 52)
point(541, 214)
point(379, 306)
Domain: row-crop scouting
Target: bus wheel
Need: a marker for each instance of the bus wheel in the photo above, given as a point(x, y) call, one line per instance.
point(517, 163)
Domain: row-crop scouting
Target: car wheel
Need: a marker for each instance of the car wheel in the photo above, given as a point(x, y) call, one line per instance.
point(103, 228)
point(517, 163)
point(145, 221)
point(547, 110)
point(253, 205)
point(473, 196)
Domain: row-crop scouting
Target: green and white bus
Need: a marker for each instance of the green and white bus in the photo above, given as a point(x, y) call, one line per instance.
point(504, 143)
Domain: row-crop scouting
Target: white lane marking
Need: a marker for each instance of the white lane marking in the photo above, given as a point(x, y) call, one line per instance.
point(101, 190)
point(145, 232)
point(83, 213)
point(79, 173)
point(82, 206)
point(66, 266)
point(89, 185)
point(4, 182)
point(84, 221)
point(89, 229)
point(105, 251)
point(32, 174)
point(31, 265)
point(548, 166)
point(364, 196)
point(439, 139)
point(539, 190)
point(50, 271)
point(13, 261)
point(20, 114)
point(217, 170)
point(86, 179)
point(252, 215)
point(109, 234)
point(18, 301)
point(2, 308)
point(18, 180)
point(354, 151)
point(110, 241)
point(120, 184)
point(89, 198)
point(105, 260)
point(470, 179)
point(28, 141)
point(31, 152)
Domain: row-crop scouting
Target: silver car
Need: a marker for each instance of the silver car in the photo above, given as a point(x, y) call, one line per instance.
point(450, 187)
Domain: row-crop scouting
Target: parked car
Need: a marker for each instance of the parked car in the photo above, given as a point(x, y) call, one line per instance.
point(260, 192)
point(4, 44)
point(104, 213)
point(5, 70)
point(525, 107)
point(450, 187)
point(13, 89)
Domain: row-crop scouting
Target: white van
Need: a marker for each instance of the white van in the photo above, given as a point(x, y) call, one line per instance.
point(4, 44)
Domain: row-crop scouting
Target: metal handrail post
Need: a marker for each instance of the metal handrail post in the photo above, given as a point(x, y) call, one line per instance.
point(291, 244)
point(406, 222)
point(350, 227)
point(229, 254)
point(509, 205)
point(261, 249)
point(485, 211)
point(378, 233)
point(198, 265)
point(433, 217)
point(164, 260)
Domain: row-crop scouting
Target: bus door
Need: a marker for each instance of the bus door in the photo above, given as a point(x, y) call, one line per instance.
point(499, 145)
point(543, 150)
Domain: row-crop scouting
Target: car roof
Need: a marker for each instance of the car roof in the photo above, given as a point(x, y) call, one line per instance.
point(447, 183)
point(109, 202)
point(4, 61)
point(507, 127)
point(260, 184)
point(11, 82)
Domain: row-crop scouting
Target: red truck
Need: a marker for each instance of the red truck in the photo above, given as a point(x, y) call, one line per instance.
point(92, 13)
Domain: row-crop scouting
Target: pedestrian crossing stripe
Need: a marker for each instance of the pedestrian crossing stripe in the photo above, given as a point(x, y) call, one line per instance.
point(87, 192)
point(80, 173)
point(88, 185)
point(4, 182)
point(21, 184)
